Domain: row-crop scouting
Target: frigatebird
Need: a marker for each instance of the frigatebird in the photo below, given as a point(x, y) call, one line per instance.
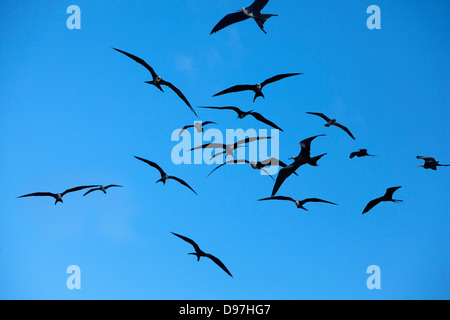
point(102, 188)
point(298, 203)
point(257, 88)
point(198, 125)
point(256, 165)
point(253, 11)
point(332, 122)
point(164, 176)
point(199, 253)
point(228, 148)
point(157, 80)
point(57, 196)
point(360, 153)
point(303, 158)
point(242, 114)
point(386, 197)
point(431, 163)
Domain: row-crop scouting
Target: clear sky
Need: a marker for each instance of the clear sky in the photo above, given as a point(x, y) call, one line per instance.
point(75, 112)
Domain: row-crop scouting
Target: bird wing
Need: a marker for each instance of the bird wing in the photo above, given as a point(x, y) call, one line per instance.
point(278, 77)
point(238, 88)
point(182, 182)
point(184, 128)
point(390, 191)
point(208, 122)
point(317, 200)
point(305, 145)
point(113, 186)
point(229, 162)
point(258, 5)
point(260, 118)
point(89, 191)
point(140, 61)
point(78, 188)
point(179, 93)
point(278, 198)
point(371, 204)
point(345, 129)
point(212, 145)
point(219, 263)
point(154, 165)
point(353, 154)
point(236, 109)
point(39, 194)
point(250, 139)
point(192, 242)
point(229, 19)
point(320, 115)
point(426, 158)
point(283, 174)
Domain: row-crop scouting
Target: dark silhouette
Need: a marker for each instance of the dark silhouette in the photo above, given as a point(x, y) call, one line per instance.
point(57, 196)
point(199, 253)
point(387, 197)
point(198, 125)
point(257, 165)
point(164, 176)
point(257, 88)
point(431, 163)
point(298, 203)
point(157, 80)
point(253, 11)
point(102, 188)
point(332, 122)
point(303, 158)
point(242, 114)
point(360, 153)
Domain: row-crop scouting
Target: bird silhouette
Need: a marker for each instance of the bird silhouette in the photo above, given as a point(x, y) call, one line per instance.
point(164, 176)
point(57, 196)
point(199, 253)
point(198, 126)
point(102, 188)
point(360, 153)
point(386, 197)
point(431, 163)
point(298, 203)
point(256, 165)
point(157, 80)
point(256, 88)
point(242, 114)
point(253, 11)
point(332, 122)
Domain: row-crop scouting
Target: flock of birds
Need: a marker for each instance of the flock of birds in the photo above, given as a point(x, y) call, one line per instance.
point(303, 158)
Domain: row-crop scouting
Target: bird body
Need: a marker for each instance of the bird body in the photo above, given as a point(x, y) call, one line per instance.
point(387, 197)
point(431, 163)
point(200, 253)
point(360, 153)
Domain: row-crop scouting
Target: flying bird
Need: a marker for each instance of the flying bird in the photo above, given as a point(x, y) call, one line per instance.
point(303, 158)
point(387, 197)
point(199, 253)
point(157, 80)
point(360, 153)
point(228, 149)
point(242, 114)
point(57, 196)
point(298, 203)
point(253, 11)
point(431, 163)
point(256, 165)
point(198, 125)
point(332, 122)
point(164, 176)
point(257, 88)
point(102, 188)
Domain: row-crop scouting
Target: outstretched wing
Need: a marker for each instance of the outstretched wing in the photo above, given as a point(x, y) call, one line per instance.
point(283, 174)
point(248, 140)
point(345, 129)
point(390, 191)
point(140, 61)
point(305, 145)
point(78, 188)
point(152, 164)
point(113, 186)
point(320, 115)
point(278, 78)
point(184, 128)
point(228, 20)
point(238, 88)
point(219, 263)
point(317, 200)
point(89, 191)
point(212, 145)
point(39, 194)
point(229, 162)
point(426, 159)
point(179, 93)
point(182, 182)
point(371, 204)
point(235, 109)
point(278, 198)
point(260, 118)
point(192, 242)
point(258, 5)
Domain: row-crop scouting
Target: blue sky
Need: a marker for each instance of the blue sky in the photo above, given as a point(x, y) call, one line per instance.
point(75, 112)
